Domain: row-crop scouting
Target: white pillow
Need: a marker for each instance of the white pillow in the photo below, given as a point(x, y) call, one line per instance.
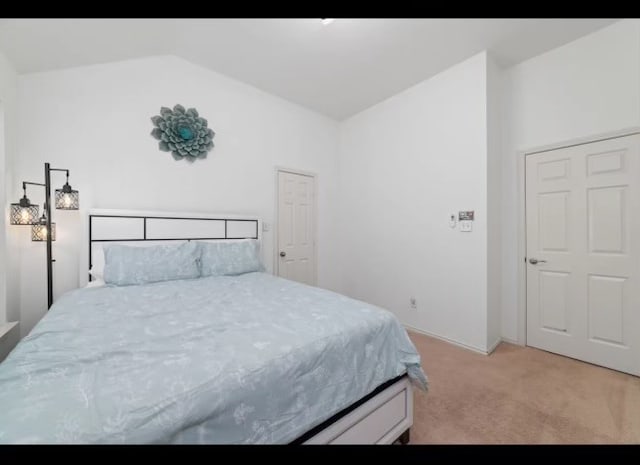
point(96, 282)
point(96, 275)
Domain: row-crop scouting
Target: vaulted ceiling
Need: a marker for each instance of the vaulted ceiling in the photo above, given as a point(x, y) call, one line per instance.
point(336, 69)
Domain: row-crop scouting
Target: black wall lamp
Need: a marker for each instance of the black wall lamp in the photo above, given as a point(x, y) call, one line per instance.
point(43, 229)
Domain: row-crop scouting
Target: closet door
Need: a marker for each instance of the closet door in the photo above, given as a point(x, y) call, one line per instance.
point(583, 252)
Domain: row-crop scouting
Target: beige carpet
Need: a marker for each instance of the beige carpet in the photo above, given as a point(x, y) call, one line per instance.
point(521, 395)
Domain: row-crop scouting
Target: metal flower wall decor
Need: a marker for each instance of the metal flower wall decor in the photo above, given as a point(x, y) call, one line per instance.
point(182, 132)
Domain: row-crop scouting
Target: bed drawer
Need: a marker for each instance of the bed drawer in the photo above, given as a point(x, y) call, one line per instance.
point(380, 420)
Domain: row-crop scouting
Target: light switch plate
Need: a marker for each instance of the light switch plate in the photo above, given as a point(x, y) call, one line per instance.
point(266, 227)
point(466, 226)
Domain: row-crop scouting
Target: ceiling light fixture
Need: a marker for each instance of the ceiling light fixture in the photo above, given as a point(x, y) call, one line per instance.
point(326, 21)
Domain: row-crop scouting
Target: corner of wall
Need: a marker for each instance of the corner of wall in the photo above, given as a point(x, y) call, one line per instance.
point(9, 295)
point(3, 225)
point(494, 201)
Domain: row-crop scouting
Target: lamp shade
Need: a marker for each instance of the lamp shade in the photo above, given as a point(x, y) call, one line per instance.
point(67, 198)
point(39, 232)
point(23, 214)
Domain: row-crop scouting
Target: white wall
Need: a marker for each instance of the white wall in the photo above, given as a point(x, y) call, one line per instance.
point(9, 304)
point(587, 87)
point(3, 222)
point(95, 120)
point(406, 164)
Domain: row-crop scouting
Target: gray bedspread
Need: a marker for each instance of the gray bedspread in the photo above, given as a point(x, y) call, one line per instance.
point(233, 359)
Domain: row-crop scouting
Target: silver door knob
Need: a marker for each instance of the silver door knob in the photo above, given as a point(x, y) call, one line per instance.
point(283, 254)
point(535, 261)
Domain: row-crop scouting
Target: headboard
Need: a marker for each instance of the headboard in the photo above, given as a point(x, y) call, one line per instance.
point(151, 228)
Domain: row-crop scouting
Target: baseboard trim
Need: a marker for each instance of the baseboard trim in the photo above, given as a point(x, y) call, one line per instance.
point(9, 338)
point(6, 327)
point(512, 341)
point(446, 339)
point(494, 345)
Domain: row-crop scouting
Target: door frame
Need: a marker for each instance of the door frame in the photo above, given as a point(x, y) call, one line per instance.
point(522, 214)
point(314, 220)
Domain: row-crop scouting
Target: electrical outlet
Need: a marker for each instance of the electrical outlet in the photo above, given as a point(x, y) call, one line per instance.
point(412, 302)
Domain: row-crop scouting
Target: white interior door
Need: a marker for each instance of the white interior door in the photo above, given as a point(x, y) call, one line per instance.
point(296, 227)
point(583, 252)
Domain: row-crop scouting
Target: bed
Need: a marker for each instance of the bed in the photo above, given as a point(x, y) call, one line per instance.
point(240, 359)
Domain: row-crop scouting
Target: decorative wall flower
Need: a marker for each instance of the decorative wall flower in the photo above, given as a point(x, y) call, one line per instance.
point(182, 132)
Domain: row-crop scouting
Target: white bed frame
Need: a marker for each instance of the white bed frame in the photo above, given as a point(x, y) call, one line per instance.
point(380, 418)
point(383, 419)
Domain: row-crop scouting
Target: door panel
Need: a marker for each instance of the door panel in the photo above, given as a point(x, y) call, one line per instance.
point(606, 309)
point(606, 219)
point(551, 170)
point(583, 227)
point(553, 219)
point(296, 227)
point(608, 162)
point(554, 288)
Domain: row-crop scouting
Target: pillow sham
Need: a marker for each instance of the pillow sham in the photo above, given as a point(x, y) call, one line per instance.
point(95, 274)
point(96, 282)
point(126, 265)
point(230, 258)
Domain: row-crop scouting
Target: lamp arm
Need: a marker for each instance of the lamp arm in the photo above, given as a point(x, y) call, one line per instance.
point(24, 184)
point(60, 169)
